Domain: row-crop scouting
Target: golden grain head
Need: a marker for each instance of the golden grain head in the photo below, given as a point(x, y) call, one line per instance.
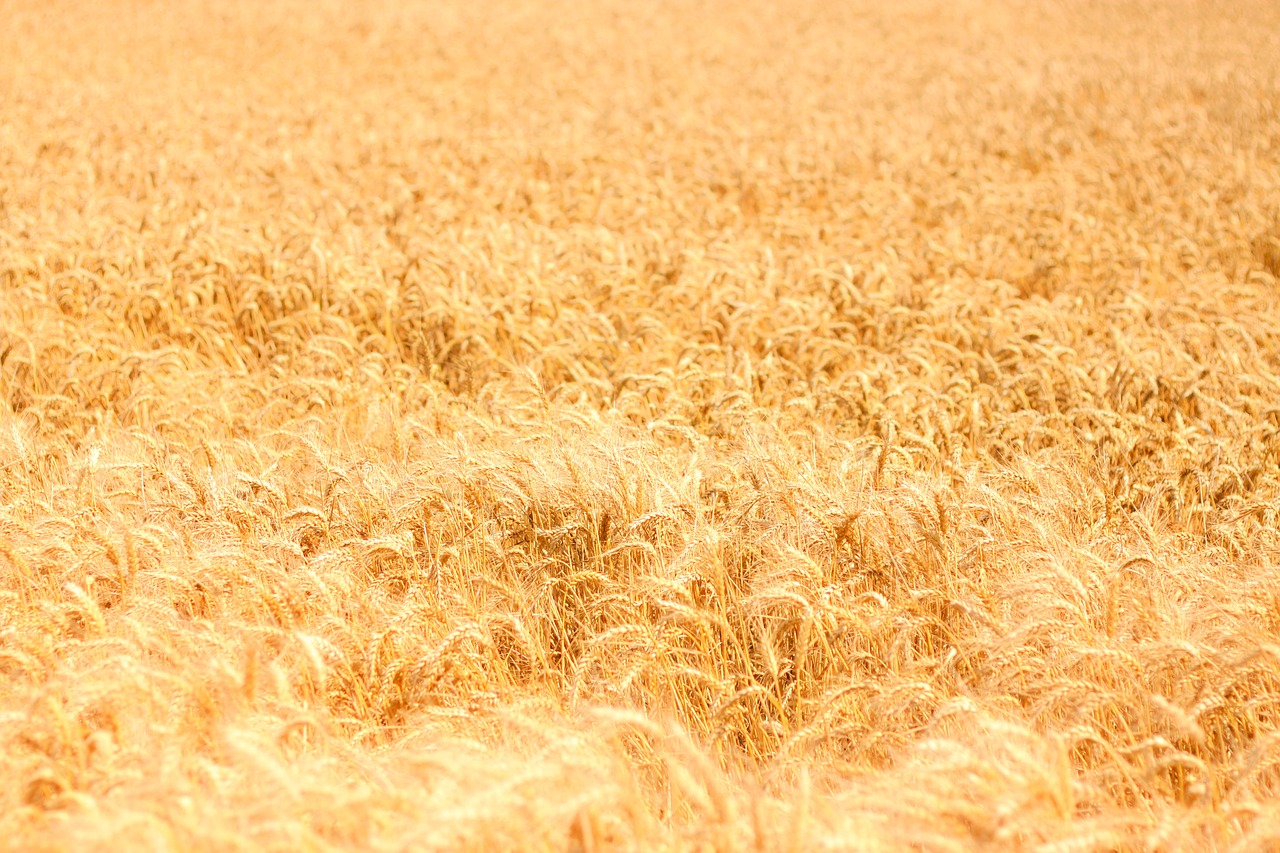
point(614, 426)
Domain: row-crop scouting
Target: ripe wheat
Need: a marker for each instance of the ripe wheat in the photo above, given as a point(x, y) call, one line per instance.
point(640, 426)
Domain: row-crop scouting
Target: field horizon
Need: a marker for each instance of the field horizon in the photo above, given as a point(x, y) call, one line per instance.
point(639, 426)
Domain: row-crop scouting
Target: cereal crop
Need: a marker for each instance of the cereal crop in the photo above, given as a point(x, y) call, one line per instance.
point(673, 425)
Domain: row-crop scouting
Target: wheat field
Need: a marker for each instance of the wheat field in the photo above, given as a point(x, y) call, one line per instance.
point(673, 425)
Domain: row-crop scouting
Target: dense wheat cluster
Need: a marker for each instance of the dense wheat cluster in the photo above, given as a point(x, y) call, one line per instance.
point(639, 426)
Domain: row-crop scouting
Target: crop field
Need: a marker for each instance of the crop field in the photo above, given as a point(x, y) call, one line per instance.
point(618, 425)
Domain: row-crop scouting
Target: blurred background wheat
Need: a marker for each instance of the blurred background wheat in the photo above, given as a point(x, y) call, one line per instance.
point(639, 426)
